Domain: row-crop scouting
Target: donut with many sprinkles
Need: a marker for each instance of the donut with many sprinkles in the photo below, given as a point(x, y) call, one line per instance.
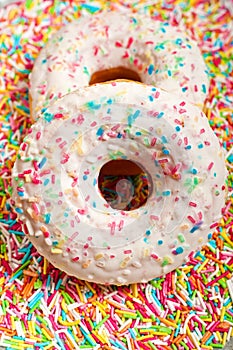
point(56, 179)
point(113, 45)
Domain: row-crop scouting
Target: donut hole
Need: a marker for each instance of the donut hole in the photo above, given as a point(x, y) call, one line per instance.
point(114, 74)
point(124, 184)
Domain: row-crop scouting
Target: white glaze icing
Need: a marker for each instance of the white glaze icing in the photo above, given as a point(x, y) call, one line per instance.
point(162, 55)
point(70, 223)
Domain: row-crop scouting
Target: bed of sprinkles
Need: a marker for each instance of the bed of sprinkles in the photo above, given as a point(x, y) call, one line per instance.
point(190, 308)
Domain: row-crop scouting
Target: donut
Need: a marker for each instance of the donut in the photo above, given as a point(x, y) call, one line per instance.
point(113, 45)
point(64, 212)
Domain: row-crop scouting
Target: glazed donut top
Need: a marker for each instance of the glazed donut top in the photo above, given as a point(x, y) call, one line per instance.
point(56, 174)
point(160, 54)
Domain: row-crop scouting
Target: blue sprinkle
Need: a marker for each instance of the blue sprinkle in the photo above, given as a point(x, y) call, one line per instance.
point(184, 89)
point(179, 250)
point(151, 98)
point(203, 88)
point(150, 69)
point(148, 232)
point(85, 177)
point(188, 147)
point(94, 204)
point(166, 193)
point(164, 139)
point(44, 61)
point(100, 132)
point(19, 210)
point(93, 105)
point(46, 182)
point(48, 117)
point(160, 242)
point(47, 218)
point(177, 128)
point(200, 145)
point(20, 194)
point(160, 115)
point(42, 162)
point(166, 151)
point(169, 73)
point(178, 41)
point(195, 228)
point(90, 8)
point(194, 171)
point(94, 182)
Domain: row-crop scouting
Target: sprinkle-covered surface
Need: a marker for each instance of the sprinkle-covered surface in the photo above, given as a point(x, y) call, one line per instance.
point(41, 307)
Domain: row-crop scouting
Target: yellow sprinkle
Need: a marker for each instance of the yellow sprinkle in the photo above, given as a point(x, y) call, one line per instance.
point(100, 308)
point(90, 287)
point(146, 320)
point(122, 312)
point(13, 147)
point(46, 334)
point(219, 336)
point(79, 293)
point(135, 290)
point(66, 323)
point(227, 239)
point(3, 202)
point(202, 265)
point(222, 314)
point(224, 339)
point(146, 336)
point(206, 347)
point(45, 266)
point(130, 305)
point(167, 322)
point(56, 250)
point(64, 306)
point(177, 316)
point(12, 323)
point(102, 340)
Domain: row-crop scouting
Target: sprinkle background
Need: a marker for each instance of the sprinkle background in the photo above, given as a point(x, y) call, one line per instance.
point(43, 308)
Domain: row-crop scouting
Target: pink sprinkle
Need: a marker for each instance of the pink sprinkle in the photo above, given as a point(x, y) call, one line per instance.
point(121, 224)
point(35, 165)
point(191, 219)
point(128, 251)
point(214, 225)
point(130, 41)
point(210, 166)
point(153, 141)
point(53, 179)
point(154, 217)
point(177, 121)
point(192, 204)
point(202, 131)
point(24, 146)
point(58, 116)
point(93, 124)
